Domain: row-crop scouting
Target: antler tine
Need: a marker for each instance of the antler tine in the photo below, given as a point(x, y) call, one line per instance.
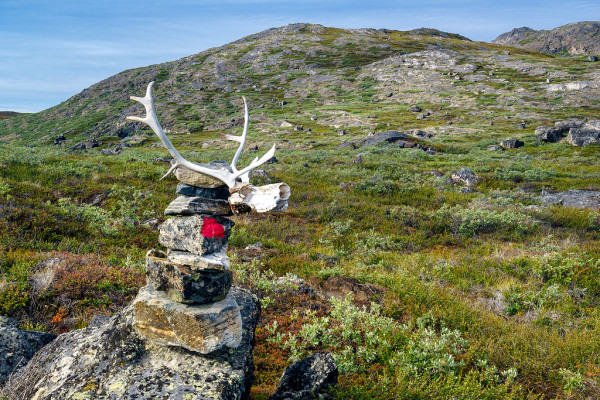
point(152, 121)
point(266, 157)
point(240, 139)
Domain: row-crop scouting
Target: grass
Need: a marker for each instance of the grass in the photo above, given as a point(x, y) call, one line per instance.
point(478, 295)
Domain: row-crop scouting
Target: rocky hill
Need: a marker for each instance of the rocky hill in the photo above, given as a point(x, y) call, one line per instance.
point(576, 38)
point(282, 69)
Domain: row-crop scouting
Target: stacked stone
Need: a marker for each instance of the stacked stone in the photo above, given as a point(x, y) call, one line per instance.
point(186, 301)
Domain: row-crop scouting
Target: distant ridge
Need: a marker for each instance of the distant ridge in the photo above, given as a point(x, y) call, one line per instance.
point(8, 114)
point(576, 38)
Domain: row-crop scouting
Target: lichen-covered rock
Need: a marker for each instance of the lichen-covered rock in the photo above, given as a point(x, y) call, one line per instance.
point(185, 205)
point(573, 198)
point(511, 143)
point(550, 134)
point(221, 192)
point(18, 346)
point(465, 176)
point(383, 137)
point(113, 361)
point(583, 136)
point(218, 260)
point(196, 234)
point(306, 379)
point(193, 178)
point(185, 284)
point(203, 328)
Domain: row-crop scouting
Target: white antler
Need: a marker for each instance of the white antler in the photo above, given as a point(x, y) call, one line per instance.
point(244, 176)
point(224, 175)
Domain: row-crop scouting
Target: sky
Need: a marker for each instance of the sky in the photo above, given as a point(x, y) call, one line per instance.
point(51, 50)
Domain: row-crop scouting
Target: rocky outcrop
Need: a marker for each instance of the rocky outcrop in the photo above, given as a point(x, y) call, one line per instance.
point(18, 346)
point(113, 361)
point(579, 132)
point(576, 38)
point(573, 198)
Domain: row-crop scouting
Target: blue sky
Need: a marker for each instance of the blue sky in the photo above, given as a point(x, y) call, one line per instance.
point(51, 50)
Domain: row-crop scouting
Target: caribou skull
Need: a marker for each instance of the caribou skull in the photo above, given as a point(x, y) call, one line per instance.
point(244, 196)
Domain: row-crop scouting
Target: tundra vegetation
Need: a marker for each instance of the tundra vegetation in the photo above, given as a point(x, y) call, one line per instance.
point(483, 293)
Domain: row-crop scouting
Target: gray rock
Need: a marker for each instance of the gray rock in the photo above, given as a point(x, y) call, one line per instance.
point(549, 133)
point(421, 116)
point(218, 260)
point(568, 124)
point(573, 198)
point(197, 179)
point(195, 234)
point(593, 58)
point(220, 193)
point(18, 346)
point(583, 136)
point(113, 361)
point(383, 137)
point(357, 160)
point(419, 134)
point(307, 379)
point(186, 284)
point(184, 205)
point(495, 147)
point(415, 109)
point(203, 328)
point(511, 143)
point(465, 176)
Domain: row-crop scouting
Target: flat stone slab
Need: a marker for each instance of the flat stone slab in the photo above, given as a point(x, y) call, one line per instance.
point(197, 179)
point(112, 361)
point(185, 205)
point(185, 285)
point(196, 234)
point(218, 260)
point(221, 192)
point(202, 328)
point(573, 198)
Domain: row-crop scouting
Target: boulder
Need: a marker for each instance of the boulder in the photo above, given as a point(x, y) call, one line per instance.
point(307, 379)
point(220, 193)
point(465, 176)
point(185, 205)
point(185, 284)
point(415, 109)
point(113, 361)
point(511, 143)
point(583, 136)
point(202, 328)
point(196, 234)
point(383, 137)
point(495, 147)
point(549, 133)
point(567, 124)
point(18, 346)
point(593, 58)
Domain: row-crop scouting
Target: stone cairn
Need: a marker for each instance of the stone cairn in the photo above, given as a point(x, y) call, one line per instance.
point(186, 301)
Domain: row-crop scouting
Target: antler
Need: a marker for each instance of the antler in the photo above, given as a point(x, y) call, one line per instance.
point(229, 178)
point(244, 174)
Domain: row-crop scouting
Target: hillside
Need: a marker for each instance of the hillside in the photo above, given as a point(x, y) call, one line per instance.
point(441, 238)
point(574, 39)
point(309, 64)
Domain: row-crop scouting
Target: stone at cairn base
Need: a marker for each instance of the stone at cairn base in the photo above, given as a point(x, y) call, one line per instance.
point(186, 284)
point(113, 361)
point(203, 328)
